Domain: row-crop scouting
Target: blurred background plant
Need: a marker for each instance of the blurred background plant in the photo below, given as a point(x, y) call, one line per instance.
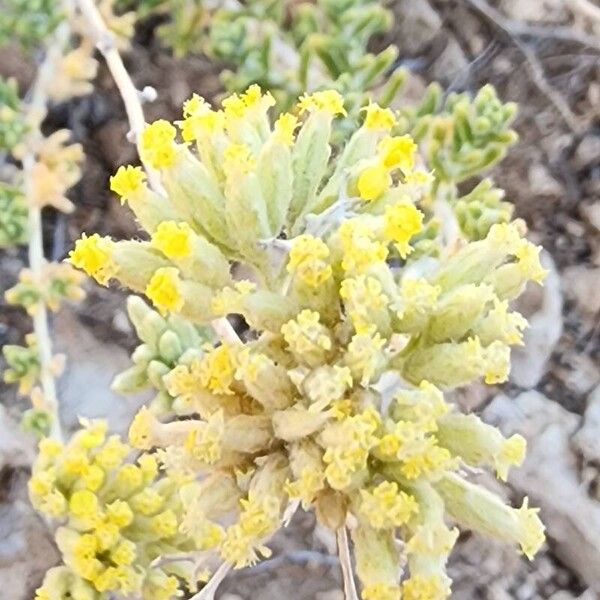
point(41, 169)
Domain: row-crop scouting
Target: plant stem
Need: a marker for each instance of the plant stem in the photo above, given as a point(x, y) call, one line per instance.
point(36, 111)
point(105, 42)
point(350, 592)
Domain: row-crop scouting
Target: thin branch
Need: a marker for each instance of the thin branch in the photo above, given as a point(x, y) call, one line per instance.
point(208, 592)
point(350, 592)
point(105, 42)
point(560, 33)
point(36, 111)
point(534, 65)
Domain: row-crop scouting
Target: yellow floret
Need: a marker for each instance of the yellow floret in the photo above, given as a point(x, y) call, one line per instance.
point(364, 300)
point(41, 484)
point(284, 128)
point(93, 255)
point(385, 506)
point(84, 504)
point(359, 246)
point(512, 454)
point(127, 181)
point(107, 534)
point(124, 553)
point(146, 502)
point(199, 119)
point(119, 513)
point(373, 182)
point(204, 444)
point(401, 222)
point(112, 453)
point(173, 239)
point(532, 530)
point(307, 337)
point(140, 430)
point(234, 107)
point(379, 118)
point(49, 448)
point(163, 290)
point(327, 100)
point(148, 466)
point(165, 524)
point(216, 370)
point(127, 480)
point(364, 355)
point(157, 145)
point(305, 488)
point(398, 152)
point(528, 256)
point(253, 96)
point(309, 259)
point(93, 434)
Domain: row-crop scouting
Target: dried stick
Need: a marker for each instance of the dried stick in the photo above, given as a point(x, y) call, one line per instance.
point(36, 111)
point(105, 42)
point(586, 9)
point(350, 592)
point(535, 67)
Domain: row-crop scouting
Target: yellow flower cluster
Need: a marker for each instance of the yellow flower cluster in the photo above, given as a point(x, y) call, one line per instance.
point(360, 317)
point(117, 517)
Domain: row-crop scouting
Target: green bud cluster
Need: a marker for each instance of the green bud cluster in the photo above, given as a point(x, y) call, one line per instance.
point(167, 342)
point(478, 210)
point(28, 22)
point(120, 521)
point(58, 282)
point(12, 126)
point(13, 216)
point(461, 136)
point(37, 421)
point(23, 364)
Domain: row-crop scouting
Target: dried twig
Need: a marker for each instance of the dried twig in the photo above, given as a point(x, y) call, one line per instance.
point(535, 67)
point(558, 33)
point(586, 8)
point(350, 592)
point(105, 42)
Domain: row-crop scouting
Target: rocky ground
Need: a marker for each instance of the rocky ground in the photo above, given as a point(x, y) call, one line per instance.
point(543, 54)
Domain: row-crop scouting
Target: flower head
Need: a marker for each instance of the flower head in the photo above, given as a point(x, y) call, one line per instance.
point(164, 291)
point(127, 181)
point(174, 240)
point(157, 145)
point(93, 254)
